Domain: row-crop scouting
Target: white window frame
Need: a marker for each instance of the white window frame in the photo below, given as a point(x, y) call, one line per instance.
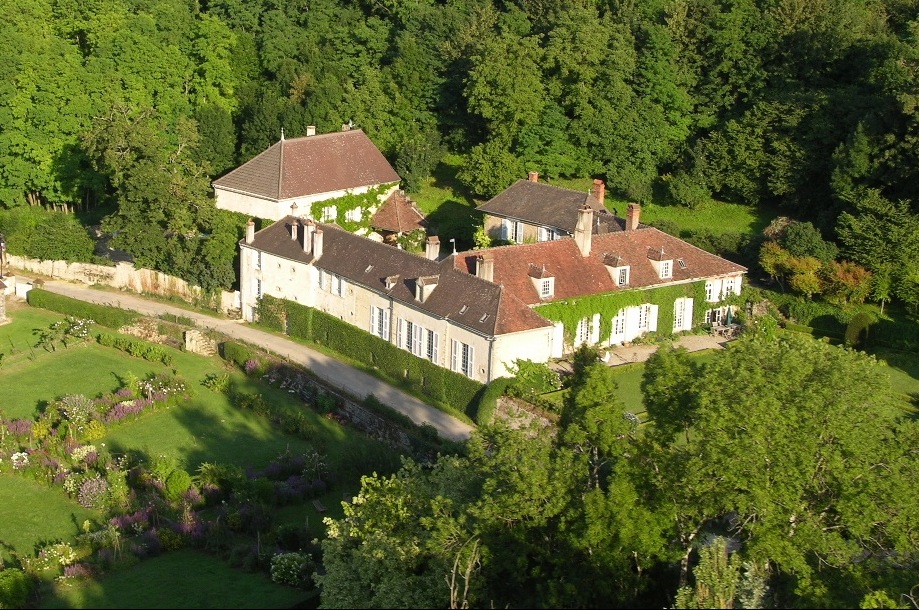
point(644, 313)
point(666, 270)
point(379, 322)
point(727, 287)
point(354, 214)
point(546, 234)
point(547, 287)
point(321, 279)
point(463, 358)
point(432, 341)
point(338, 285)
point(582, 331)
point(619, 323)
point(258, 259)
point(329, 212)
point(258, 289)
point(710, 291)
point(622, 278)
point(679, 314)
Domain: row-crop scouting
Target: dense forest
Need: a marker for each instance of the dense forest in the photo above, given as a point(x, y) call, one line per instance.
point(125, 110)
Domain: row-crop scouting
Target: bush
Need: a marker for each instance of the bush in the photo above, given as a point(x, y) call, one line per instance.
point(108, 316)
point(857, 329)
point(235, 353)
point(292, 569)
point(177, 483)
point(489, 402)
point(15, 587)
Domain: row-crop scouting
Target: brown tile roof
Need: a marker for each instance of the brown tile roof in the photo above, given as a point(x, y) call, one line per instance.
point(576, 275)
point(398, 214)
point(311, 165)
point(464, 299)
point(542, 204)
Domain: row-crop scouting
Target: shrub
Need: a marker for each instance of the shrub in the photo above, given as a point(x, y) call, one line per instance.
point(292, 569)
point(177, 483)
point(235, 353)
point(15, 587)
point(857, 329)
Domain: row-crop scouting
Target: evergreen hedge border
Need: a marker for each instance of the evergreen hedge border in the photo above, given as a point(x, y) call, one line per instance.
point(430, 380)
point(105, 315)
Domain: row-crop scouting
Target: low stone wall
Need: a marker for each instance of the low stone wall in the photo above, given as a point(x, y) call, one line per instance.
point(123, 276)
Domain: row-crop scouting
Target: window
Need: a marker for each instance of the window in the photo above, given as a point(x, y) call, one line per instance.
point(322, 280)
point(517, 232)
point(258, 260)
point(547, 287)
point(710, 291)
point(329, 213)
point(682, 263)
point(379, 322)
point(713, 316)
point(623, 278)
point(666, 269)
point(643, 313)
point(728, 287)
point(582, 333)
point(619, 323)
point(258, 289)
point(547, 234)
point(354, 215)
point(679, 314)
point(463, 358)
point(338, 285)
point(431, 346)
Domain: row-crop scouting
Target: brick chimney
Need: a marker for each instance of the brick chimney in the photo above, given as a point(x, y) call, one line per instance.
point(632, 215)
point(485, 267)
point(534, 176)
point(432, 248)
point(250, 231)
point(599, 191)
point(582, 231)
point(310, 130)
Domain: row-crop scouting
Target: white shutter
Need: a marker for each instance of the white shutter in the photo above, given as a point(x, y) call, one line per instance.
point(416, 343)
point(652, 317)
point(373, 320)
point(505, 229)
point(435, 338)
point(471, 370)
point(595, 329)
point(456, 355)
point(399, 327)
point(687, 315)
point(543, 234)
point(385, 324)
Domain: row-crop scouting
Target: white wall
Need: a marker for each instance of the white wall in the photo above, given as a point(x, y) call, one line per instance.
point(275, 210)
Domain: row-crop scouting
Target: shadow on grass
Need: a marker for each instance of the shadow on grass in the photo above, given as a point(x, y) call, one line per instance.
point(454, 220)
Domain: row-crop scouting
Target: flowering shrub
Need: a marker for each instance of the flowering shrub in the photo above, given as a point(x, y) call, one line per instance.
point(292, 569)
point(93, 492)
point(252, 366)
point(19, 428)
point(80, 453)
point(76, 571)
point(20, 460)
point(78, 410)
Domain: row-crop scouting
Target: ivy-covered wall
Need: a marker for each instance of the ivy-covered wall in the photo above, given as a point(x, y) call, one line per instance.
point(368, 202)
point(608, 305)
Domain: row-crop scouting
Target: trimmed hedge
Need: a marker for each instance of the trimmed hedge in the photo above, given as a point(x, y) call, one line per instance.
point(489, 402)
point(106, 315)
point(423, 376)
point(136, 348)
point(236, 353)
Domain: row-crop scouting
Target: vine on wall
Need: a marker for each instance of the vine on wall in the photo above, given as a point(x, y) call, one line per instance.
point(608, 305)
point(368, 203)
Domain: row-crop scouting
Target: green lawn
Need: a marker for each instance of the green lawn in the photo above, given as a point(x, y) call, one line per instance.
point(182, 579)
point(32, 512)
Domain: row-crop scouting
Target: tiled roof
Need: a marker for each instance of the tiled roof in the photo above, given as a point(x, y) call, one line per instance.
point(398, 214)
point(311, 165)
point(576, 275)
point(464, 299)
point(542, 204)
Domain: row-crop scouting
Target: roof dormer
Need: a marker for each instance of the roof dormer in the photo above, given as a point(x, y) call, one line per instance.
point(618, 269)
point(662, 262)
point(424, 286)
point(543, 281)
point(391, 281)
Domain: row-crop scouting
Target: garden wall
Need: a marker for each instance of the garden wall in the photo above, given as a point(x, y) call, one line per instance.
point(123, 276)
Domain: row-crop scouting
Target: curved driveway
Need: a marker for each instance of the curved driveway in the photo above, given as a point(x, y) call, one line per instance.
point(335, 373)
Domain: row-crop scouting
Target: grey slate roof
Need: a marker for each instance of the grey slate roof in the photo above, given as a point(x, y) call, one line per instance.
point(463, 298)
point(311, 165)
point(545, 205)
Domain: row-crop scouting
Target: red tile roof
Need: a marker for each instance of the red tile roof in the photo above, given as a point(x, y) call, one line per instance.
point(311, 165)
point(576, 275)
point(398, 214)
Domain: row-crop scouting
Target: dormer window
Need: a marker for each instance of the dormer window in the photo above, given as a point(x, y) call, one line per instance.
point(391, 281)
point(666, 269)
point(662, 262)
point(543, 281)
point(547, 287)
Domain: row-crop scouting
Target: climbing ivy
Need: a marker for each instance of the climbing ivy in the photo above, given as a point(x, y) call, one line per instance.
point(368, 203)
point(569, 312)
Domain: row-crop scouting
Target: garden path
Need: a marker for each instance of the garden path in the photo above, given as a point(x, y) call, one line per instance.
point(336, 373)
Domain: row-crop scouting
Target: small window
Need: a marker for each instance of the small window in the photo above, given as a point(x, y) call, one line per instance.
point(329, 213)
point(547, 287)
point(666, 269)
point(623, 278)
point(258, 260)
point(681, 262)
point(354, 215)
point(463, 309)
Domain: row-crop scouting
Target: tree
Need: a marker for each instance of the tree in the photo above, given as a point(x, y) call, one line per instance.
point(417, 158)
point(490, 168)
point(804, 239)
point(668, 388)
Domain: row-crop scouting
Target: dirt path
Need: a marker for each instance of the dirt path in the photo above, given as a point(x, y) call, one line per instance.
point(338, 374)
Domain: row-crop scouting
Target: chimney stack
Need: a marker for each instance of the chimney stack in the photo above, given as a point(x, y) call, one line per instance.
point(308, 229)
point(310, 130)
point(633, 213)
point(485, 267)
point(432, 248)
point(599, 191)
point(534, 176)
point(250, 231)
point(582, 231)
point(317, 244)
point(293, 229)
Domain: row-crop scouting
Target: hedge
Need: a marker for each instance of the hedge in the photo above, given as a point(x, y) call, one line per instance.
point(236, 353)
point(136, 348)
point(427, 378)
point(489, 402)
point(106, 315)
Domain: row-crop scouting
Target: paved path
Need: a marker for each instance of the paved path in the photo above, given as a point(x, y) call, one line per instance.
point(332, 371)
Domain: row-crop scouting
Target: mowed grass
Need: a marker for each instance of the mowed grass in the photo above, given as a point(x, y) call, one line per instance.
point(181, 579)
point(31, 512)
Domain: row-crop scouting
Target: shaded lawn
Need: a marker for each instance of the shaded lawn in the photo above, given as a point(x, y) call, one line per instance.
point(181, 579)
point(32, 512)
point(18, 338)
point(87, 368)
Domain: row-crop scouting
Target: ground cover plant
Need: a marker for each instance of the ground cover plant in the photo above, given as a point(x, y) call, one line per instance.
point(153, 458)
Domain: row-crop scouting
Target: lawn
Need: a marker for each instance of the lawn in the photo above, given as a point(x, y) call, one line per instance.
point(204, 427)
point(182, 579)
